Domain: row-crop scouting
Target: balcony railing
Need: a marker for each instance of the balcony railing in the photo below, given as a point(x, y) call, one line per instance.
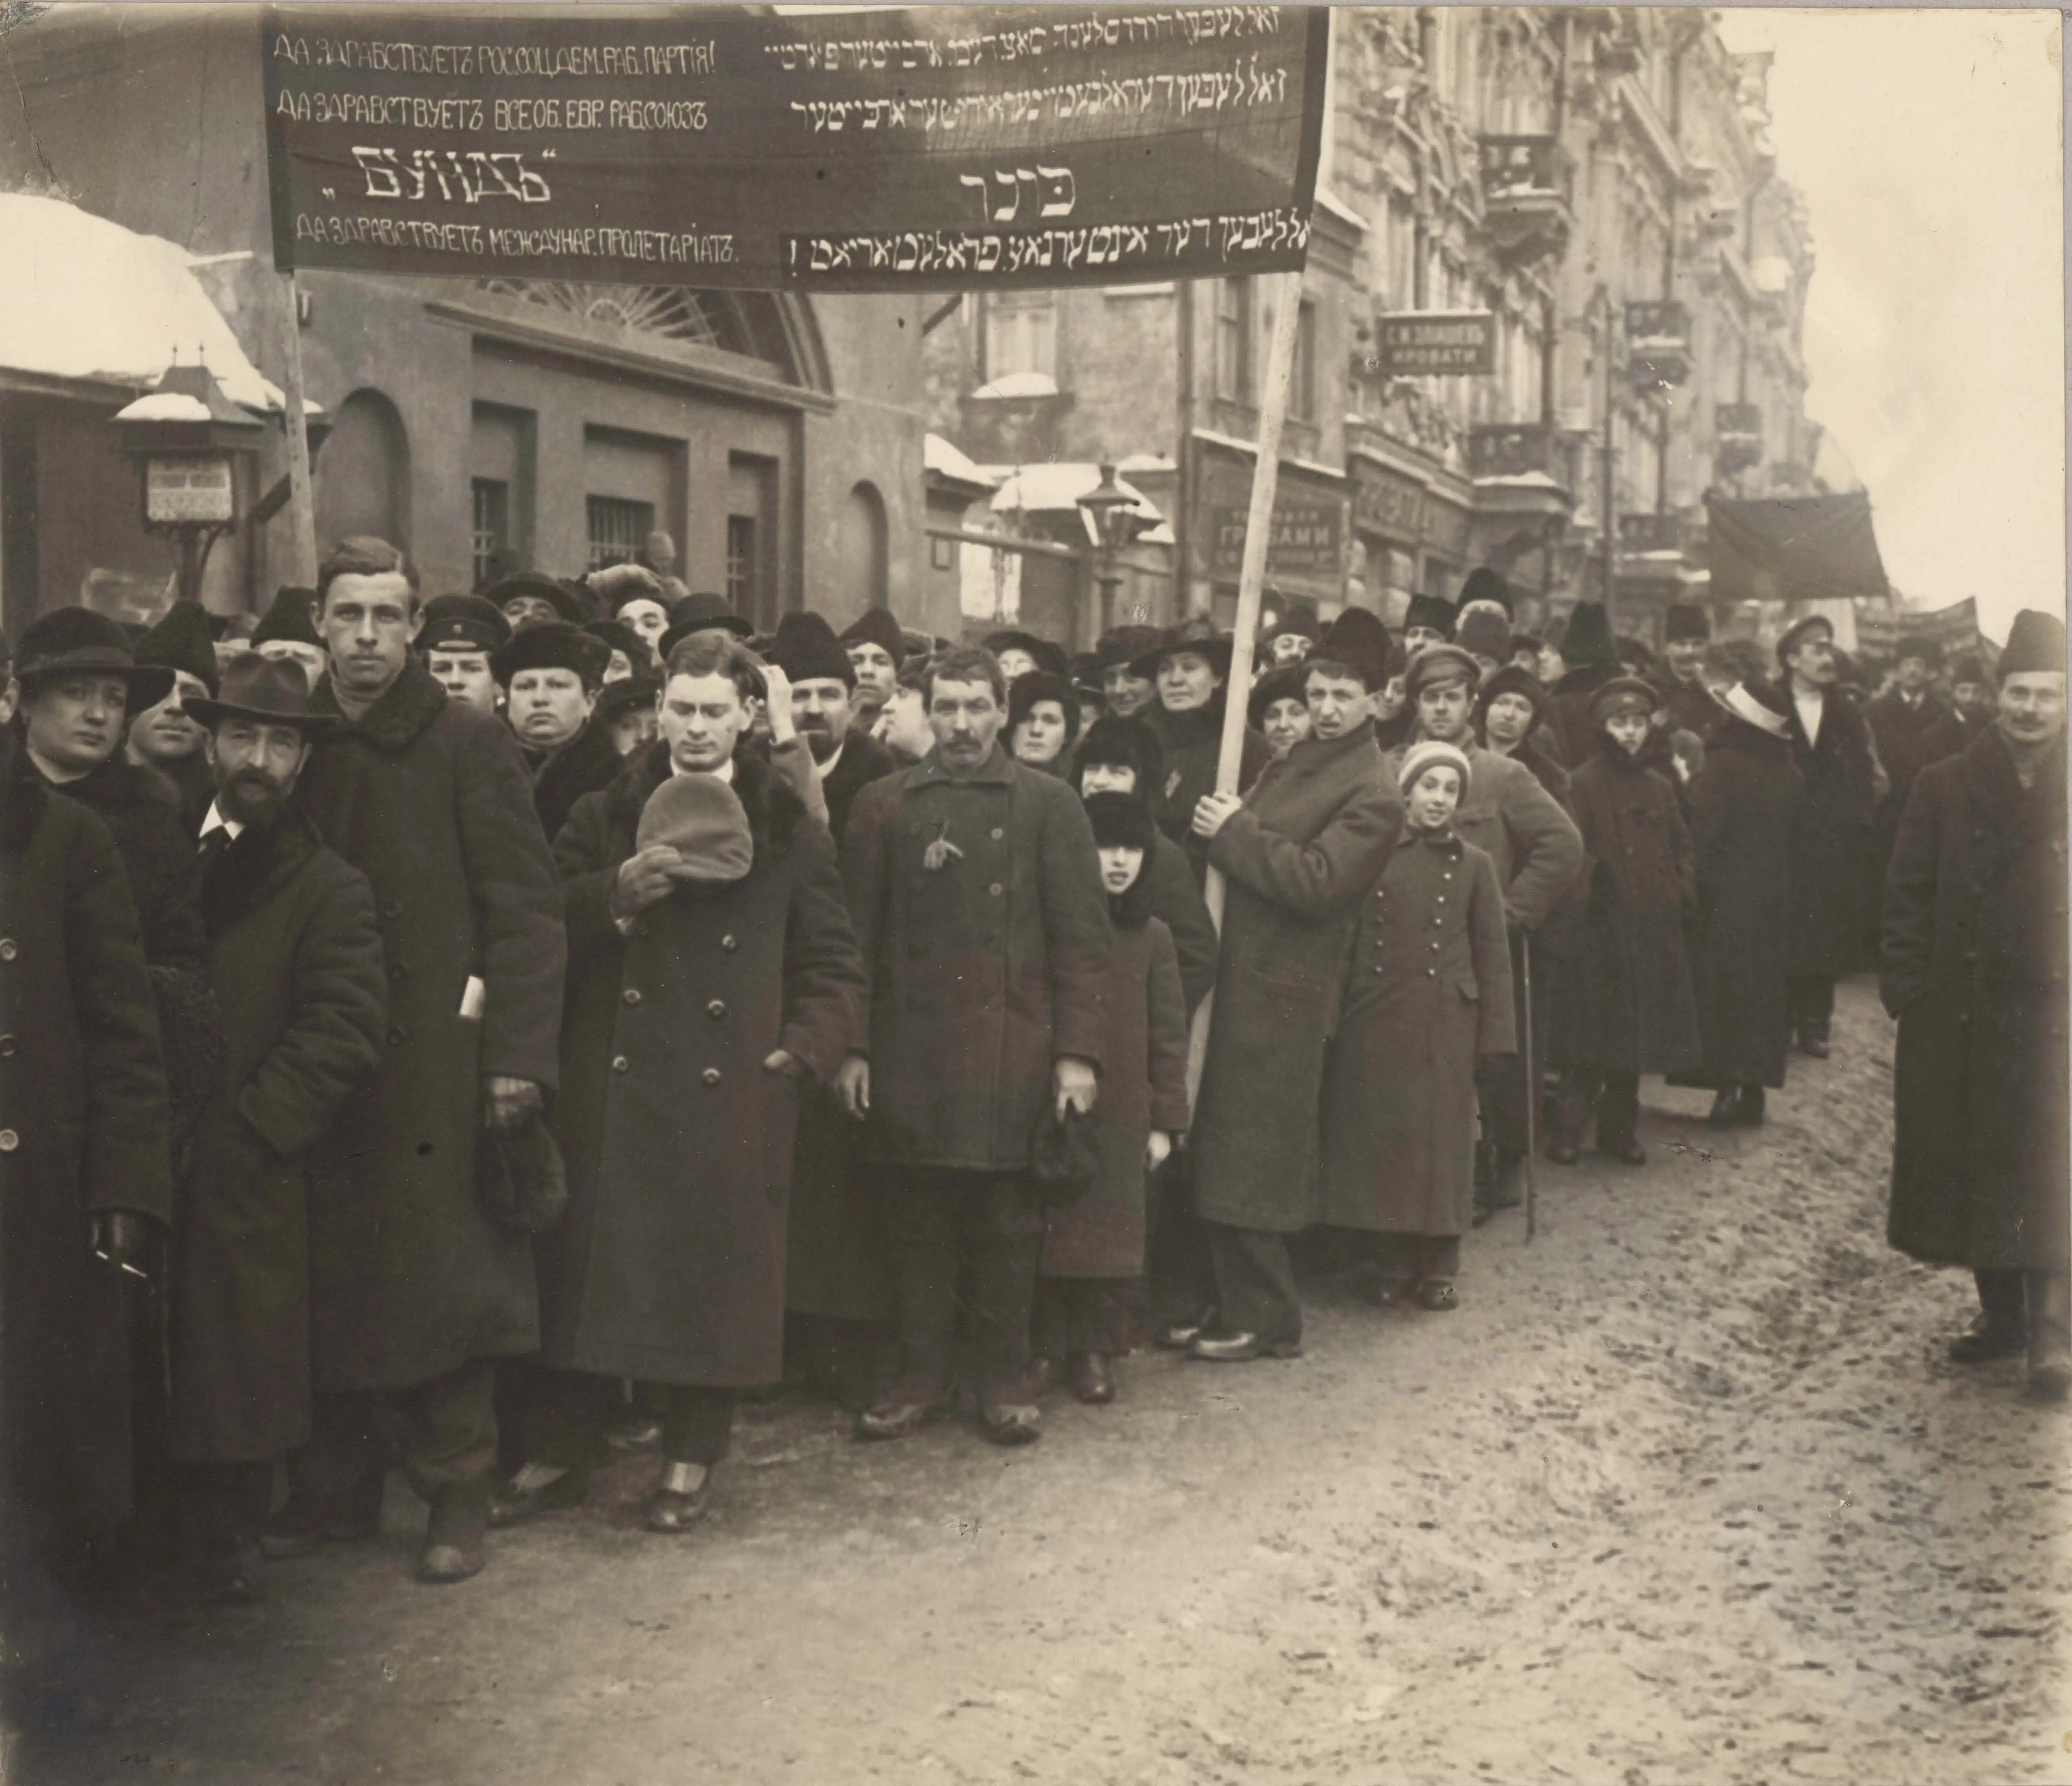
point(1515, 450)
point(1665, 532)
point(1527, 183)
point(1739, 441)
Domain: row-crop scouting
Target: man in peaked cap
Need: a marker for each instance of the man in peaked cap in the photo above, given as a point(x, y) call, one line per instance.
point(877, 648)
point(460, 636)
point(551, 673)
point(163, 736)
point(287, 631)
point(528, 598)
point(1975, 969)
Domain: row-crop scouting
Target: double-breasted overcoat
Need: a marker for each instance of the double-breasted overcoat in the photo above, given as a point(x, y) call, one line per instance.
point(1622, 1000)
point(296, 961)
point(1144, 1086)
point(410, 1276)
point(1508, 814)
point(1743, 810)
point(1428, 994)
point(1974, 969)
point(1307, 845)
point(82, 1129)
point(669, 1265)
point(978, 905)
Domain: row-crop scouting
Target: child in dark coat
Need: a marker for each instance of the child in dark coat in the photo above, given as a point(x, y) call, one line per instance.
point(1623, 1004)
point(1089, 1298)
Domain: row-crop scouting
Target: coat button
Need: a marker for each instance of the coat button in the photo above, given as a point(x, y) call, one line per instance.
point(717, 1009)
point(619, 1063)
point(997, 833)
point(7, 1047)
point(6, 948)
point(9, 1141)
point(996, 890)
point(632, 995)
point(1431, 974)
point(729, 945)
point(710, 1076)
point(1380, 969)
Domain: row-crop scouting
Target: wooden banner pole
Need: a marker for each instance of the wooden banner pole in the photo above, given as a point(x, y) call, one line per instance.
point(1251, 579)
point(302, 500)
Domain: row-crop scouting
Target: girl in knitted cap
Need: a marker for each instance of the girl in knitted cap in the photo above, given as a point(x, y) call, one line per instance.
point(1427, 998)
point(1090, 1293)
point(1622, 1002)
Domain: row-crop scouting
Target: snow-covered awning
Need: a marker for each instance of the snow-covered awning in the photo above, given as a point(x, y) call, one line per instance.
point(81, 298)
point(946, 458)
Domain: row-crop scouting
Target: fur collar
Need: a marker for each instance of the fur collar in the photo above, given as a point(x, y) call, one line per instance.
point(394, 722)
point(253, 867)
point(774, 811)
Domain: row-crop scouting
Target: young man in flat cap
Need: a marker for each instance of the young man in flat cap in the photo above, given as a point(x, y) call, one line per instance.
point(1511, 817)
point(1974, 968)
point(877, 648)
point(551, 673)
point(295, 957)
point(458, 642)
point(416, 1290)
point(1832, 841)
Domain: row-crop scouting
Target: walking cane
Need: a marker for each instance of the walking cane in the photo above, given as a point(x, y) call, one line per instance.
point(1532, 1096)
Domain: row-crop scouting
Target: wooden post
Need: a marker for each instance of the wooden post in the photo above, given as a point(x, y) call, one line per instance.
point(1251, 579)
point(301, 499)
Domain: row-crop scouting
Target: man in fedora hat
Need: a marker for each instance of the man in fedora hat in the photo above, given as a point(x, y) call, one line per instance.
point(416, 1290)
point(1832, 841)
point(296, 961)
point(1974, 969)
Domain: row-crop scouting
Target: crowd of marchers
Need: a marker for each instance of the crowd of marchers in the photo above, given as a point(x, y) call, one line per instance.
point(481, 1034)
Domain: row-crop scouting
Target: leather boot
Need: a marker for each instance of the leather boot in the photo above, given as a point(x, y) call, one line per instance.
point(2050, 1336)
point(454, 1537)
point(1813, 1038)
point(1726, 1110)
point(303, 1522)
point(1750, 1114)
point(1994, 1333)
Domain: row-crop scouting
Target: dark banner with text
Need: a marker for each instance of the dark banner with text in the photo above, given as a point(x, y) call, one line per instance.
point(938, 149)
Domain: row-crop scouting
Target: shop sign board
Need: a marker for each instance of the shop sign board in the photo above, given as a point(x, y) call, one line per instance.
point(1426, 343)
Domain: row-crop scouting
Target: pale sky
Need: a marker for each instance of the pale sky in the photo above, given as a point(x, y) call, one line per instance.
point(1926, 145)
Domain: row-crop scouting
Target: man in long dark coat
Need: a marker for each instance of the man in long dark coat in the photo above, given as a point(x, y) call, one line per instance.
point(1301, 850)
point(838, 1278)
point(417, 1290)
point(1975, 970)
point(977, 893)
point(712, 969)
point(1743, 808)
point(1832, 843)
point(84, 1179)
point(1902, 721)
point(295, 958)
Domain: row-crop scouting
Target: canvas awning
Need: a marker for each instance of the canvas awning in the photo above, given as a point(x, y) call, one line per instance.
point(1795, 549)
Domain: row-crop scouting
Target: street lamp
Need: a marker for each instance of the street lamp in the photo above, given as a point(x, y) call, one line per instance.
point(184, 438)
point(1111, 512)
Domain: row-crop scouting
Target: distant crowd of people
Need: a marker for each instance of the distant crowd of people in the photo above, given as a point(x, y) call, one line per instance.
point(481, 1033)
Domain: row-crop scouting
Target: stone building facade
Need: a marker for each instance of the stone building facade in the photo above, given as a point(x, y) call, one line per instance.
point(1589, 195)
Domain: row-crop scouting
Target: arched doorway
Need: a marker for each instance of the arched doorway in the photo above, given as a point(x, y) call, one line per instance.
point(363, 473)
point(865, 549)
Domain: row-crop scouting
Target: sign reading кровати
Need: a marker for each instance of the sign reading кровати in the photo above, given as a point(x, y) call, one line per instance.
point(929, 149)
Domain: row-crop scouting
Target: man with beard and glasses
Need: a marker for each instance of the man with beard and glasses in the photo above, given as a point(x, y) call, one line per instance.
point(296, 960)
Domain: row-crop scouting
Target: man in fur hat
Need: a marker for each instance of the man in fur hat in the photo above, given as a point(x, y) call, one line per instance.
point(876, 648)
point(551, 673)
point(1687, 629)
point(1973, 968)
point(1589, 659)
point(295, 957)
point(1293, 635)
point(287, 632)
point(1428, 620)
